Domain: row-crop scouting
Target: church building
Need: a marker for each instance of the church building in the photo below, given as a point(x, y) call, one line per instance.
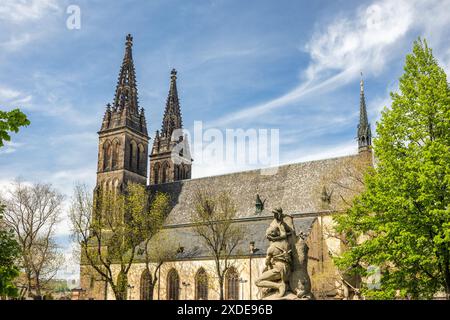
point(311, 192)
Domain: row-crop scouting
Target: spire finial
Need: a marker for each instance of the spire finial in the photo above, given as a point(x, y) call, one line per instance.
point(173, 74)
point(129, 42)
point(362, 83)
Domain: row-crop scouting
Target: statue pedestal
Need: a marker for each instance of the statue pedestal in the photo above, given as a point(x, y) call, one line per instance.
point(288, 296)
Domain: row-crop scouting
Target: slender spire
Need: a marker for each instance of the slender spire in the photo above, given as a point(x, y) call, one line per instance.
point(126, 96)
point(172, 115)
point(364, 131)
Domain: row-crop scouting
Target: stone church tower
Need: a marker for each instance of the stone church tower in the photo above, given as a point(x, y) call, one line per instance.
point(170, 157)
point(123, 138)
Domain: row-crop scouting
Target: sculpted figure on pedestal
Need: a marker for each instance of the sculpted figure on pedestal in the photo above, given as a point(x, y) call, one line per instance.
point(285, 275)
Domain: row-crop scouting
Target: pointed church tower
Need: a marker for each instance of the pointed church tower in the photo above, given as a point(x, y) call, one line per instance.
point(364, 131)
point(170, 157)
point(123, 138)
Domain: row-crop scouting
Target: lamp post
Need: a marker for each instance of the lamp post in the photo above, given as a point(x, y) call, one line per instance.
point(185, 285)
point(242, 282)
point(253, 250)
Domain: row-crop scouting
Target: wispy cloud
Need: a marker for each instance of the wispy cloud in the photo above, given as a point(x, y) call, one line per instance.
point(13, 97)
point(10, 147)
point(19, 11)
point(362, 40)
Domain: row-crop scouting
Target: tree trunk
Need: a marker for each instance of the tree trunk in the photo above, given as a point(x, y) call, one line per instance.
point(221, 289)
point(38, 286)
point(220, 276)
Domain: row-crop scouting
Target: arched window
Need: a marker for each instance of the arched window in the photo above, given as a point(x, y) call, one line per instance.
point(138, 160)
point(165, 172)
point(156, 173)
point(146, 286)
point(173, 285)
point(115, 155)
point(107, 155)
point(201, 285)
point(140, 163)
point(232, 284)
point(133, 156)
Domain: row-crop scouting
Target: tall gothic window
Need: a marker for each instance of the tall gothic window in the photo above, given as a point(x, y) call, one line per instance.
point(173, 285)
point(115, 155)
point(146, 286)
point(165, 172)
point(138, 159)
point(201, 285)
point(133, 155)
point(107, 155)
point(232, 284)
point(156, 173)
point(130, 158)
point(141, 159)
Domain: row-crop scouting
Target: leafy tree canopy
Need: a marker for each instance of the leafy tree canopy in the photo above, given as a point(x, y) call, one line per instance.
point(11, 121)
point(401, 222)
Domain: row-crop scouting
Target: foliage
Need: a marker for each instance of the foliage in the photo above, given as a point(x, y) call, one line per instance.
point(9, 254)
point(32, 212)
point(110, 227)
point(401, 222)
point(11, 121)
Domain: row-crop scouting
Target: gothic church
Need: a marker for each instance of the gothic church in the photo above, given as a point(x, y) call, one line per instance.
point(303, 190)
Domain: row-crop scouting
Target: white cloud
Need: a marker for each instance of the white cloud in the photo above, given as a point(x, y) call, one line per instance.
point(367, 40)
point(13, 97)
point(10, 147)
point(18, 11)
point(16, 41)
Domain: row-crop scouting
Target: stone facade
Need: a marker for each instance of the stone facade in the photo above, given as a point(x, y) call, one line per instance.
point(306, 191)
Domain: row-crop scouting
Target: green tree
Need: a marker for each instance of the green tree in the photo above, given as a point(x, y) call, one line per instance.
point(9, 248)
point(9, 255)
point(401, 222)
point(110, 228)
point(11, 121)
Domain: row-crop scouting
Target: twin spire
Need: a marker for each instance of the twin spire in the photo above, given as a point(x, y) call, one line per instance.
point(172, 115)
point(126, 101)
point(125, 111)
point(126, 91)
point(364, 131)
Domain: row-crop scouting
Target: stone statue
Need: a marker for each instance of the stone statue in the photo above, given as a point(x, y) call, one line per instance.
point(285, 275)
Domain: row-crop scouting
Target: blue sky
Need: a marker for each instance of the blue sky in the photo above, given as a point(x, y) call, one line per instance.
point(289, 65)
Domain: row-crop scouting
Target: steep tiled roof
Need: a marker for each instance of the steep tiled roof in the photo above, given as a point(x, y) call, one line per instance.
point(295, 188)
